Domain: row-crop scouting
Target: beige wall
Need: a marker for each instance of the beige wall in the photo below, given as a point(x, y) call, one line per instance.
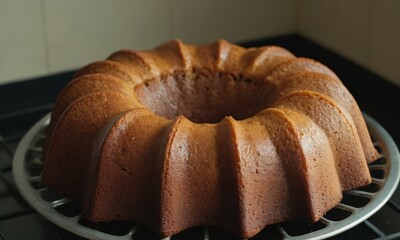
point(40, 37)
point(365, 31)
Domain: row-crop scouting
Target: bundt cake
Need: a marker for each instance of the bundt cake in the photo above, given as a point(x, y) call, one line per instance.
point(187, 135)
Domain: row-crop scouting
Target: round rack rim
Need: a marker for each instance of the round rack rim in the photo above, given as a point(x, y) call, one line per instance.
point(388, 186)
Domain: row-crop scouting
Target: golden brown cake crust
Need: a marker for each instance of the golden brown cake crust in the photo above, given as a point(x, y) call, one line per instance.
point(187, 135)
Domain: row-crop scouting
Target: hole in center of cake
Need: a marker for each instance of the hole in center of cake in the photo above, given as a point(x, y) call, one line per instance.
point(203, 97)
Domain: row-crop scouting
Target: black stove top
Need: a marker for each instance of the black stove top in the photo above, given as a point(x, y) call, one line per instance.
point(19, 221)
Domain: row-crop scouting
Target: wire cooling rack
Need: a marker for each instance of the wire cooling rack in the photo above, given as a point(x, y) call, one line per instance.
point(357, 205)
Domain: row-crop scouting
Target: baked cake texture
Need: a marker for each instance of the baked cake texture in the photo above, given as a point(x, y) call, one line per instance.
point(187, 135)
